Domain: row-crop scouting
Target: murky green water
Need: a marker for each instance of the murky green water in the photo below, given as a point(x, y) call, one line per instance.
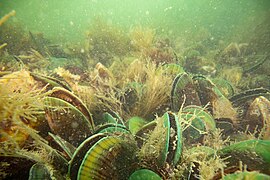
point(69, 20)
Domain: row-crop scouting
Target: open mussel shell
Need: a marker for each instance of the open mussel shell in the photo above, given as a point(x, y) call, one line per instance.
point(255, 154)
point(202, 113)
point(248, 96)
point(71, 98)
point(68, 148)
point(50, 82)
point(215, 101)
point(199, 122)
point(183, 92)
point(144, 174)
point(224, 86)
point(67, 121)
point(175, 138)
point(243, 101)
point(131, 95)
point(80, 152)
point(257, 118)
point(164, 144)
point(111, 157)
point(112, 128)
point(143, 132)
point(113, 117)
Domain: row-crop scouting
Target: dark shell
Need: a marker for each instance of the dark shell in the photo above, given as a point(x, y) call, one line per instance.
point(110, 158)
point(257, 117)
point(183, 91)
point(17, 167)
point(71, 98)
point(248, 96)
point(67, 121)
point(144, 132)
point(50, 82)
point(254, 153)
point(164, 144)
point(201, 123)
point(214, 100)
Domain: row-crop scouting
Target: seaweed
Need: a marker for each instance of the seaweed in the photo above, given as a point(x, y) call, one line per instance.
point(106, 42)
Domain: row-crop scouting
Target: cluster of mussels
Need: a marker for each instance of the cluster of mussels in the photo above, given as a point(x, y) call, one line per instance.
point(136, 149)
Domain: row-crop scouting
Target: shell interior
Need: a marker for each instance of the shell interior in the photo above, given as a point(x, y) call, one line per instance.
point(66, 95)
point(183, 91)
point(67, 121)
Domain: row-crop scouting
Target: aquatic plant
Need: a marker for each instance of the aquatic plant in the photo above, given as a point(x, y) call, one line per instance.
point(16, 37)
point(34, 60)
point(21, 103)
point(70, 78)
point(106, 41)
point(142, 39)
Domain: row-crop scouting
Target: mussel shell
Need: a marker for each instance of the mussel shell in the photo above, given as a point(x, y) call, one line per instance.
point(224, 86)
point(195, 132)
point(183, 92)
point(113, 117)
point(39, 171)
point(214, 100)
point(248, 96)
point(254, 153)
point(257, 117)
point(67, 121)
point(111, 157)
point(163, 146)
point(135, 124)
point(172, 69)
point(247, 175)
point(80, 152)
point(71, 98)
point(50, 82)
point(144, 174)
point(68, 148)
point(144, 132)
point(112, 128)
point(202, 123)
point(208, 92)
point(203, 114)
point(175, 138)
